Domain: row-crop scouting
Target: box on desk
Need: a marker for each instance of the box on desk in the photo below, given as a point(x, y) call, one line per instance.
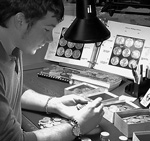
point(141, 136)
point(115, 105)
point(97, 92)
point(131, 121)
point(111, 103)
point(83, 88)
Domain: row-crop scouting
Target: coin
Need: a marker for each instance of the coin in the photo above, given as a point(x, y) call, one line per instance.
point(113, 108)
point(57, 119)
point(62, 42)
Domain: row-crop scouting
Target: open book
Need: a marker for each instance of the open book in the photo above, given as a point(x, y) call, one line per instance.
point(128, 44)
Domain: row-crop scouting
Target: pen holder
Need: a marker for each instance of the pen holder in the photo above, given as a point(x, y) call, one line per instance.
point(138, 90)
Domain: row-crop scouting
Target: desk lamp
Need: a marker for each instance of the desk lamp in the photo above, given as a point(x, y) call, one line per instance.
point(87, 28)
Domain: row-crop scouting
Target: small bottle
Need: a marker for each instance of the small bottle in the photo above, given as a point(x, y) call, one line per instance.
point(123, 138)
point(104, 136)
point(85, 139)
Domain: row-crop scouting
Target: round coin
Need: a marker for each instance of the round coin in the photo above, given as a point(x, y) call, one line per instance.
point(113, 108)
point(126, 52)
point(133, 63)
point(135, 54)
point(117, 51)
point(120, 40)
point(129, 42)
point(48, 125)
point(68, 53)
point(114, 60)
point(78, 45)
point(138, 43)
point(57, 119)
point(123, 62)
point(60, 51)
point(62, 42)
point(70, 44)
point(76, 54)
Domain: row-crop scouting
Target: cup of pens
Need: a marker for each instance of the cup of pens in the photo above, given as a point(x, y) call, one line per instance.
point(140, 84)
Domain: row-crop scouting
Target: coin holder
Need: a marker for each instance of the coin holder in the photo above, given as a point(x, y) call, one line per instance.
point(114, 105)
point(138, 122)
point(82, 88)
point(67, 49)
point(126, 51)
point(106, 96)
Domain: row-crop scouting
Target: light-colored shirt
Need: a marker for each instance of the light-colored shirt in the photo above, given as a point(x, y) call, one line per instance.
point(11, 84)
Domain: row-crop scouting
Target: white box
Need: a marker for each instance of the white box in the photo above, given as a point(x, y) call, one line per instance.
point(141, 136)
point(83, 88)
point(111, 107)
point(128, 129)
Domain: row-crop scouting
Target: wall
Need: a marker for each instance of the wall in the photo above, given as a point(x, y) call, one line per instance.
point(128, 18)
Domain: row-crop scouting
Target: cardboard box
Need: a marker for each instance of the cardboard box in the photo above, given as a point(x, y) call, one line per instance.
point(106, 96)
point(115, 105)
point(141, 136)
point(128, 129)
point(83, 88)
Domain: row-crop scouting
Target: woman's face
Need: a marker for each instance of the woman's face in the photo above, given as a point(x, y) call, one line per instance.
point(38, 35)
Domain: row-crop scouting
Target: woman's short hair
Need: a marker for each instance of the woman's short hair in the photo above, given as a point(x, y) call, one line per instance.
point(33, 10)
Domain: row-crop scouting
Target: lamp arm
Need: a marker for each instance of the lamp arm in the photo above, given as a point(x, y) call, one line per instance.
point(116, 7)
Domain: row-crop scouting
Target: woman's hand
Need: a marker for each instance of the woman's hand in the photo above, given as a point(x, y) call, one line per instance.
point(90, 116)
point(73, 100)
point(65, 106)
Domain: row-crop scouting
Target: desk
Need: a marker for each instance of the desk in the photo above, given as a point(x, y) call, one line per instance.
point(56, 88)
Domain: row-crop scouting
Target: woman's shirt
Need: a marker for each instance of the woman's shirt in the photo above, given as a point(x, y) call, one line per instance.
point(11, 84)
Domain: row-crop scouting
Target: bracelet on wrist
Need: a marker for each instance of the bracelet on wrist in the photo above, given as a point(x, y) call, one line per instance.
point(75, 127)
point(46, 106)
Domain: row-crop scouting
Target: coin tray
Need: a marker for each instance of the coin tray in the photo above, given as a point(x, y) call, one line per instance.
point(82, 88)
point(141, 136)
point(128, 129)
point(115, 105)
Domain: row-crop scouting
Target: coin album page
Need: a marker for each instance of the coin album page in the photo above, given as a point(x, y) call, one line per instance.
point(128, 45)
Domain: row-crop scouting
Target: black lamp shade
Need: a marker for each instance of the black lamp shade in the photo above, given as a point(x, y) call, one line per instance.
point(86, 28)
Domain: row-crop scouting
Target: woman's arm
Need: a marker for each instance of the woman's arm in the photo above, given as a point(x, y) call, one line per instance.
point(62, 132)
point(64, 106)
point(32, 100)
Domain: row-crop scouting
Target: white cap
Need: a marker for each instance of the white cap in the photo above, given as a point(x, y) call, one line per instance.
point(105, 134)
point(85, 139)
point(123, 138)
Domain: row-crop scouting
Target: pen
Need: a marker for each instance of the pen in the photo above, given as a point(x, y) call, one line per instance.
point(146, 73)
point(136, 78)
point(141, 73)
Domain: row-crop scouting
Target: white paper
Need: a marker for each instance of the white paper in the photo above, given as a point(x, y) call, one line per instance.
point(146, 99)
point(127, 31)
point(127, 98)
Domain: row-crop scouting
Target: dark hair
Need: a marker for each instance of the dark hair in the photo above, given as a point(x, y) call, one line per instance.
point(33, 10)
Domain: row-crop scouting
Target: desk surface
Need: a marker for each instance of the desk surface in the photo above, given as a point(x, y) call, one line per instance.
point(56, 88)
